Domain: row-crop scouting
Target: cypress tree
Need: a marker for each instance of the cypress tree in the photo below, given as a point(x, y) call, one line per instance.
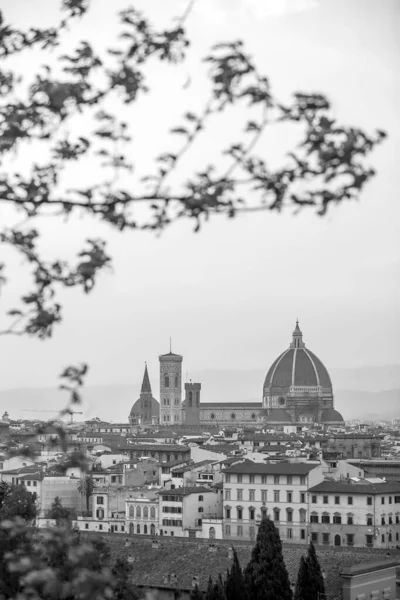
point(315, 572)
point(235, 587)
point(196, 594)
point(310, 582)
point(210, 589)
point(219, 589)
point(266, 576)
point(302, 580)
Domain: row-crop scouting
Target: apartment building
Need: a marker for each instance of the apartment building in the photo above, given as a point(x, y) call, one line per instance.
point(142, 515)
point(355, 512)
point(182, 510)
point(276, 490)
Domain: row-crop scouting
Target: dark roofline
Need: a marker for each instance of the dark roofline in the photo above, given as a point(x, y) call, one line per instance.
point(386, 487)
point(370, 566)
point(283, 468)
point(185, 491)
point(221, 405)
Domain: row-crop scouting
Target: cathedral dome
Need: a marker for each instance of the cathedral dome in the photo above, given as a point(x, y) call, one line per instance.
point(297, 367)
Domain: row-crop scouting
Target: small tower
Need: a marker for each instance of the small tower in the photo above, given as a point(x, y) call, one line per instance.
point(145, 411)
point(192, 403)
point(170, 388)
point(297, 341)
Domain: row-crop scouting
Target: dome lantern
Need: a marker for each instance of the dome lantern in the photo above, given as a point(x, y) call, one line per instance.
point(297, 340)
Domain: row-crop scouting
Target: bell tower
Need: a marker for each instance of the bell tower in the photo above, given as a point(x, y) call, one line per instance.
point(170, 388)
point(192, 402)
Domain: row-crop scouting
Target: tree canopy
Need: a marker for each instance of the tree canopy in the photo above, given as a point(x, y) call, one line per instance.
point(44, 111)
point(266, 576)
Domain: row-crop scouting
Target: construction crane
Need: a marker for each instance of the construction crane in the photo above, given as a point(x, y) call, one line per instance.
point(72, 412)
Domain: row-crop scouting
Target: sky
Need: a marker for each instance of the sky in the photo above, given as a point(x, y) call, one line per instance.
point(229, 295)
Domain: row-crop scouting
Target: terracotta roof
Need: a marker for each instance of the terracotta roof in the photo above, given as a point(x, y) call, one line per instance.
point(153, 567)
point(298, 468)
point(159, 447)
point(363, 487)
point(228, 405)
point(185, 491)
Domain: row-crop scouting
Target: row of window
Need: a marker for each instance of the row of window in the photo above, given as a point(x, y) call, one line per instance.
point(30, 483)
point(276, 479)
point(172, 498)
point(325, 499)
point(238, 531)
point(167, 381)
point(317, 537)
point(276, 514)
point(167, 418)
point(277, 496)
point(166, 401)
point(145, 511)
point(172, 522)
point(337, 519)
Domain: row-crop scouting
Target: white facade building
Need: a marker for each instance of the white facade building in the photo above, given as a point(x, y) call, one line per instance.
point(276, 490)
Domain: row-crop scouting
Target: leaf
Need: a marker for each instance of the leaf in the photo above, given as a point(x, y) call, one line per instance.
point(179, 130)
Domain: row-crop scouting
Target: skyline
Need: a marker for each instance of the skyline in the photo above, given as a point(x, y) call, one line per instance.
point(229, 295)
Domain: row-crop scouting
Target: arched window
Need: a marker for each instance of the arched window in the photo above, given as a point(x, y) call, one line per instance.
point(176, 381)
point(211, 533)
point(137, 528)
point(100, 513)
point(166, 381)
point(197, 398)
point(152, 512)
point(276, 514)
point(145, 512)
point(131, 511)
point(138, 512)
point(145, 530)
point(190, 398)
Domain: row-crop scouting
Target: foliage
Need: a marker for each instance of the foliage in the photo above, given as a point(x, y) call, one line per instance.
point(328, 165)
point(58, 564)
point(86, 487)
point(60, 513)
point(16, 501)
point(310, 582)
point(266, 576)
point(51, 565)
point(124, 590)
point(196, 594)
point(235, 587)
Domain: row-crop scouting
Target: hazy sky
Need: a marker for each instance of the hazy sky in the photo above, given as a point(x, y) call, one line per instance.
point(229, 295)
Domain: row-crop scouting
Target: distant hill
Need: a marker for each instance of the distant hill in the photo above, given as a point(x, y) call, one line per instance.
point(368, 393)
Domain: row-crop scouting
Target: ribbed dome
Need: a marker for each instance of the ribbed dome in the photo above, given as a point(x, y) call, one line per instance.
point(297, 367)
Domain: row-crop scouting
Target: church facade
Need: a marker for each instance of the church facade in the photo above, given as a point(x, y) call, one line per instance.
point(297, 391)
